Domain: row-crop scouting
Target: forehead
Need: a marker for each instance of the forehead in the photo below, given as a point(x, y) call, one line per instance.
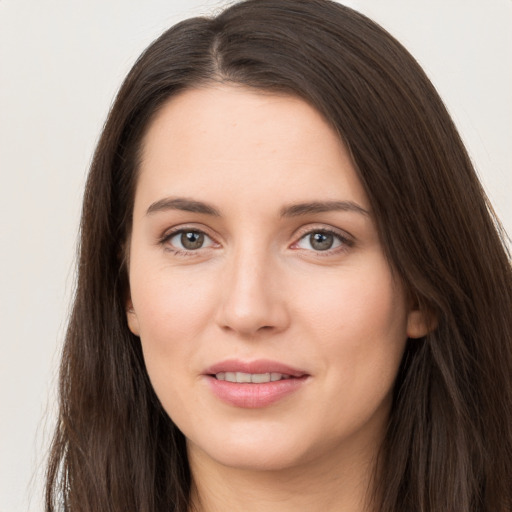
point(255, 145)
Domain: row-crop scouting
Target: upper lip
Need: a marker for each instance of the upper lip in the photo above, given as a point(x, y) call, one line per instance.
point(256, 366)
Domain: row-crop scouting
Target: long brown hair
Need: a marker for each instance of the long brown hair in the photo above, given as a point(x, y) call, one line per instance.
point(449, 440)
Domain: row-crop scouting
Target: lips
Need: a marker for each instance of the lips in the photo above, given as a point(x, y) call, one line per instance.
point(260, 366)
point(254, 378)
point(253, 384)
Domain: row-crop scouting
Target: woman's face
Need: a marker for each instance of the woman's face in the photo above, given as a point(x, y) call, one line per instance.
point(254, 257)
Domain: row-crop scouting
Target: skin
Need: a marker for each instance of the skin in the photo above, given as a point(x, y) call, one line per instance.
point(258, 288)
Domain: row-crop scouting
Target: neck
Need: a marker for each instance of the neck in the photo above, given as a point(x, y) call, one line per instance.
point(315, 486)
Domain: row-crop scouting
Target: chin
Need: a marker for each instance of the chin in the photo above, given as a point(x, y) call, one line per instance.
point(255, 453)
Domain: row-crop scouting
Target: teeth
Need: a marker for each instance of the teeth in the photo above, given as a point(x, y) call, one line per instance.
point(255, 378)
point(258, 378)
point(243, 377)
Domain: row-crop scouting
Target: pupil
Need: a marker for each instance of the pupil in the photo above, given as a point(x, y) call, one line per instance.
point(192, 240)
point(321, 241)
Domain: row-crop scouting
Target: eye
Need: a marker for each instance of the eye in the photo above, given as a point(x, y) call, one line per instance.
point(189, 240)
point(321, 240)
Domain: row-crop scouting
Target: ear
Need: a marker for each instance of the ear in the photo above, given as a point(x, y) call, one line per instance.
point(132, 319)
point(420, 322)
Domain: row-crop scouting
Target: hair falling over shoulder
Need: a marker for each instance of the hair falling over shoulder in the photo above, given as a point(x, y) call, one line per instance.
point(448, 445)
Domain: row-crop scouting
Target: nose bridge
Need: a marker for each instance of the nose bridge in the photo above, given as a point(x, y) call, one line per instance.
point(251, 293)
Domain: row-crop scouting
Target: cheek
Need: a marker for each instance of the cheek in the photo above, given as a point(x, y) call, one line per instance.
point(359, 322)
point(170, 306)
point(172, 310)
point(351, 302)
point(170, 316)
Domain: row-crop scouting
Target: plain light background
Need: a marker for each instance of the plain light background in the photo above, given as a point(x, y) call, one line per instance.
point(61, 63)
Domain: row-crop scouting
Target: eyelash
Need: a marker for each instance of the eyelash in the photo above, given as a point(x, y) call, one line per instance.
point(165, 239)
point(345, 241)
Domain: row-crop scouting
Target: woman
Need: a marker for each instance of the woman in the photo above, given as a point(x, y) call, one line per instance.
point(292, 293)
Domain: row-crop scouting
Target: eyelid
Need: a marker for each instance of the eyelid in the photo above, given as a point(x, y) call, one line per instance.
point(169, 233)
point(346, 239)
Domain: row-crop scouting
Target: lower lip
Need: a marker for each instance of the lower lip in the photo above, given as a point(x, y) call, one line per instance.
point(253, 396)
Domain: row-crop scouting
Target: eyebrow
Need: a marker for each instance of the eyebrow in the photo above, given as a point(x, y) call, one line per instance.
point(296, 210)
point(186, 205)
point(293, 210)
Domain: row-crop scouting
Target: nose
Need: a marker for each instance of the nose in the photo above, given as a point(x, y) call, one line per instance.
point(252, 297)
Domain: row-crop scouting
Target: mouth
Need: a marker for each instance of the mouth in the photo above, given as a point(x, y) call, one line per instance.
point(254, 384)
point(251, 378)
point(256, 372)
